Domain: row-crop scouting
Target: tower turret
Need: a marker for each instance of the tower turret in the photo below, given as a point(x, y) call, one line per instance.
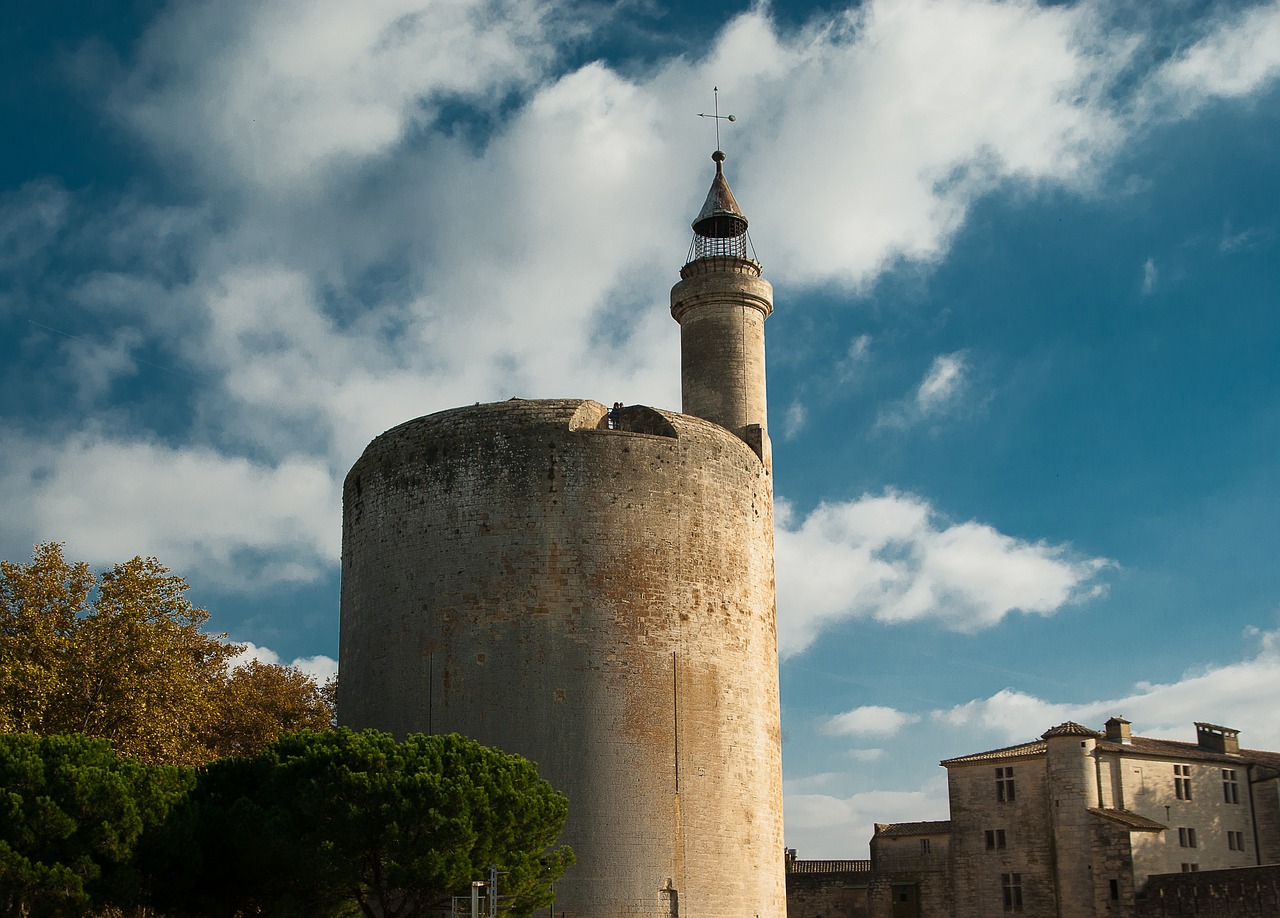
point(721, 303)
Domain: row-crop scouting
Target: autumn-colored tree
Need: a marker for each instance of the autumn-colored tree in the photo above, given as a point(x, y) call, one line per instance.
point(259, 701)
point(125, 658)
point(143, 675)
point(40, 607)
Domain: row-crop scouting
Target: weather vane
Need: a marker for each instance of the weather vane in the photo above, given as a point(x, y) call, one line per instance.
point(717, 116)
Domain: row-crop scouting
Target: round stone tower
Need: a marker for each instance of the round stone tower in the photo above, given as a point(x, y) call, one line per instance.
point(594, 590)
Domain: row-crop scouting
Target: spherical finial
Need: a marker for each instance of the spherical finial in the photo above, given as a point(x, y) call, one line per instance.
point(718, 157)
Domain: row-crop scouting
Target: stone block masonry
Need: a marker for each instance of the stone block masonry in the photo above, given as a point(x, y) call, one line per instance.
point(598, 600)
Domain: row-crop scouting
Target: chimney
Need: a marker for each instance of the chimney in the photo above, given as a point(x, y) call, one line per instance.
point(1118, 730)
point(1214, 738)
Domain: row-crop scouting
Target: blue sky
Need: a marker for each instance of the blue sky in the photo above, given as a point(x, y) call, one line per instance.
point(1022, 367)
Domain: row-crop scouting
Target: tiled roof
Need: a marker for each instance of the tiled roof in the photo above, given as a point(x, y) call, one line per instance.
point(1130, 820)
point(1008, 752)
point(1171, 749)
point(828, 866)
point(1070, 728)
point(901, 829)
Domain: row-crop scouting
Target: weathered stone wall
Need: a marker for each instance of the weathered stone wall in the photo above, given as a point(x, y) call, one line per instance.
point(918, 865)
point(600, 601)
point(1265, 796)
point(1246, 892)
point(830, 894)
point(1111, 846)
point(1073, 783)
point(1149, 790)
point(721, 305)
point(977, 870)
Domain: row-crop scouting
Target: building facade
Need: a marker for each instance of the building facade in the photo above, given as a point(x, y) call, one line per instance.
point(1077, 824)
point(593, 589)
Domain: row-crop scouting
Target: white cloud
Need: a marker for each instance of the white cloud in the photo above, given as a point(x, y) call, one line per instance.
point(1149, 275)
point(895, 559)
point(874, 720)
point(282, 91)
point(352, 261)
point(1239, 694)
point(1237, 58)
point(320, 668)
point(795, 420)
point(840, 827)
point(866, 755)
point(940, 392)
point(982, 93)
point(244, 523)
point(943, 383)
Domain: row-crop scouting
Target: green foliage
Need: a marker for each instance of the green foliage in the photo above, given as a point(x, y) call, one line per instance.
point(72, 815)
point(319, 821)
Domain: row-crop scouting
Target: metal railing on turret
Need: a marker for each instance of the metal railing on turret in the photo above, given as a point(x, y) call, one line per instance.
point(739, 246)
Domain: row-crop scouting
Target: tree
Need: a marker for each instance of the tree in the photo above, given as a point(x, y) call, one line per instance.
point(40, 606)
point(320, 822)
point(72, 814)
point(143, 674)
point(258, 702)
point(126, 658)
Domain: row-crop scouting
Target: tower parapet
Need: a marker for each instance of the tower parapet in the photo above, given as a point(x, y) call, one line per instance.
point(721, 303)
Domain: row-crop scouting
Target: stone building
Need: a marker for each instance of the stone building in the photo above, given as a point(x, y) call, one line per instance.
point(1077, 824)
point(593, 589)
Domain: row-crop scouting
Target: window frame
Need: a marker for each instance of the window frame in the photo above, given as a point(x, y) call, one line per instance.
point(1182, 782)
point(1005, 788)
point(1011, 891)
point(1230, 786)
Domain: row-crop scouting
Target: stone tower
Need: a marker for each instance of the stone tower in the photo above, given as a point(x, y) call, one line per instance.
point(594, 590)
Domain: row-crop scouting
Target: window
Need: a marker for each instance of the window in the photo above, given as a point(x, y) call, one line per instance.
point(1011, 884)
point(1004, 784)
point(1186, 837)
point(995, 839)
point(924, 846)
point(1230, 786)
point(1235, 841)
point(1182, 781)
point(1190, 868)
point(1115, 890)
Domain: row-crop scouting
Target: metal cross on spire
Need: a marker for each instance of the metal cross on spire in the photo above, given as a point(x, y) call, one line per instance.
point(717, 116)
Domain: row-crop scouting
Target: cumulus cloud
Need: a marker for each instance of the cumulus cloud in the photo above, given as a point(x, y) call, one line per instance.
point(282, 90)
point(320, 668)
point(244, 523)
point(1235, 58)
point(868, 720)
point(404, 206)
point(840, 827)
point(893, 558)
point(1239, 694)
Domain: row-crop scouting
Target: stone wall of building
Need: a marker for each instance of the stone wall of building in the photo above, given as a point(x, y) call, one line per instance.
point(600, 601)
point(1244, 892)
point(1149, 789)
point(978, 871)
point(1264, 795)
point(828, 889)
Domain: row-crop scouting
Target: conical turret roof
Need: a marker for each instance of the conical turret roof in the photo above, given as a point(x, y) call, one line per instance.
point(720, 217)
